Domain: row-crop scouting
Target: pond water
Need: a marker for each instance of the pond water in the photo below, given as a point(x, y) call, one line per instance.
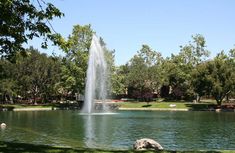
point(173, 130)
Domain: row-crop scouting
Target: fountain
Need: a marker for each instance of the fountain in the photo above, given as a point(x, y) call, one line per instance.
point(96, 88)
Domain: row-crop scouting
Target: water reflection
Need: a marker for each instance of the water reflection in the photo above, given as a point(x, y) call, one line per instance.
point(98, 132)
point(173, 130)
point(89, 131)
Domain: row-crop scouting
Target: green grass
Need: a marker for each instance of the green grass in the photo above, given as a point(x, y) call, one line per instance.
point(14, 147)
point(151, 105)
point(178, 105)
point(25, 106)
point(10, 107)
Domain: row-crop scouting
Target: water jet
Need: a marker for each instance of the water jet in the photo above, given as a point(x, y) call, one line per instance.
point(96, 80)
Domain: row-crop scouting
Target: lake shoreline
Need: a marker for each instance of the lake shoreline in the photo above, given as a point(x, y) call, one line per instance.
point(155, 109)
point(176, 109)
point(27, 147)
point(130, 109)
point(121, 107)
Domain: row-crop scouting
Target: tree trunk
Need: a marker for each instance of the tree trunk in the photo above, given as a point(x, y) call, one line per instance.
point(198, 98)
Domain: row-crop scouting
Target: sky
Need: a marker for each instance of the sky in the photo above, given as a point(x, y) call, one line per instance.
point(164, 25)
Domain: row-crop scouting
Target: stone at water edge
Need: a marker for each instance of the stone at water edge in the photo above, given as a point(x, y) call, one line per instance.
point(147, 144)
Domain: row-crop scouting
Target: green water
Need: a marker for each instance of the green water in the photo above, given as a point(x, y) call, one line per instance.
point(173, 130)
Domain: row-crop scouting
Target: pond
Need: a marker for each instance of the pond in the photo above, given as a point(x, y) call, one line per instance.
point(173, 130)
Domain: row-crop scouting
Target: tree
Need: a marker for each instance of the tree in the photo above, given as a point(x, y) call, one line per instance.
point(177, 77)
point(109, 56)
point(194, 52)
point(22, 20)
point(222, 77)
point(7, 82)
point(178, 69)
point(119, 80)
point(216, 77)
point(137, 77)
point(36, 75)
point(143, 77)
point(75, 62)
point(201, 82)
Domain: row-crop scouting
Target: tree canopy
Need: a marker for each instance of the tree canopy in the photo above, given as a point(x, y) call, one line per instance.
point(23, 20)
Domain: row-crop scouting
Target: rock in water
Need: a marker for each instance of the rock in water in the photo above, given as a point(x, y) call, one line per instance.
point(147, 144)
point(3, 125)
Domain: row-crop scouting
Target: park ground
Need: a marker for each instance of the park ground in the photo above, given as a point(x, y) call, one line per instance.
point(204, 105)
point(14, 147)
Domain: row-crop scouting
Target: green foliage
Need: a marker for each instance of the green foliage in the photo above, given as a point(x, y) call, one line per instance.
point(23, 20)
point(215, 77)
point(34, 75)
point(178, 69)
point(75, 62)
point(7, 83)
point(119, 81)
point(30, 77)
point(37, 75)
point(143, 73)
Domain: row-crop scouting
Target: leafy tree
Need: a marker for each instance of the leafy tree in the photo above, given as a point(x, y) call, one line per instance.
point(222, 77)
point(75, 63)
point(137, 76)
point(177, 75)
point(119, 80)
point(7, 83)
point(22, 20)
point(37, 75)
point(216, 77)
point(178, 69)
point(201, 82)
point(194, 52)
point(109, 56)
point(143, 76)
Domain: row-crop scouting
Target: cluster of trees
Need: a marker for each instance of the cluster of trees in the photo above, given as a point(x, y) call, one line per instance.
point(188, 75)
point(34, 76)
point(29, 74)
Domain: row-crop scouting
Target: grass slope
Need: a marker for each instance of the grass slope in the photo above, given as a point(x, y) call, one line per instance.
point(167, 105)
point(13, 147)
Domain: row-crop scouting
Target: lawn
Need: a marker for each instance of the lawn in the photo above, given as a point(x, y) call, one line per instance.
point(14, 147)
point(205, 105)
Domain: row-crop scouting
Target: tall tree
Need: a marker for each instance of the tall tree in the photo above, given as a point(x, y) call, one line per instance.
point(216, 77)
point(7, 82)
point(23, 20)
point(119, 80)
point(36, 75)
point(75, 62)
point(143, 76)
point(179, 67)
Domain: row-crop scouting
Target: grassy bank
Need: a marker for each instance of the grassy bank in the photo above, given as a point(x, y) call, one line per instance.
point(13, 147)
point(131, 105)
point(10, 107)
point(169, 105)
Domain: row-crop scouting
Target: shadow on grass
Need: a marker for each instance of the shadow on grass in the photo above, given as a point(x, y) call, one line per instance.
point(14, 147)
point(202, 107)
point(8, 108)
point(147, 105)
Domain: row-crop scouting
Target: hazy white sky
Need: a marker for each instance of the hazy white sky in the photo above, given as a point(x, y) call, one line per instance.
point(164, 25)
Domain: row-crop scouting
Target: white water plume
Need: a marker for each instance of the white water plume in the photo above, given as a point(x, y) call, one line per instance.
point(96, 78)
